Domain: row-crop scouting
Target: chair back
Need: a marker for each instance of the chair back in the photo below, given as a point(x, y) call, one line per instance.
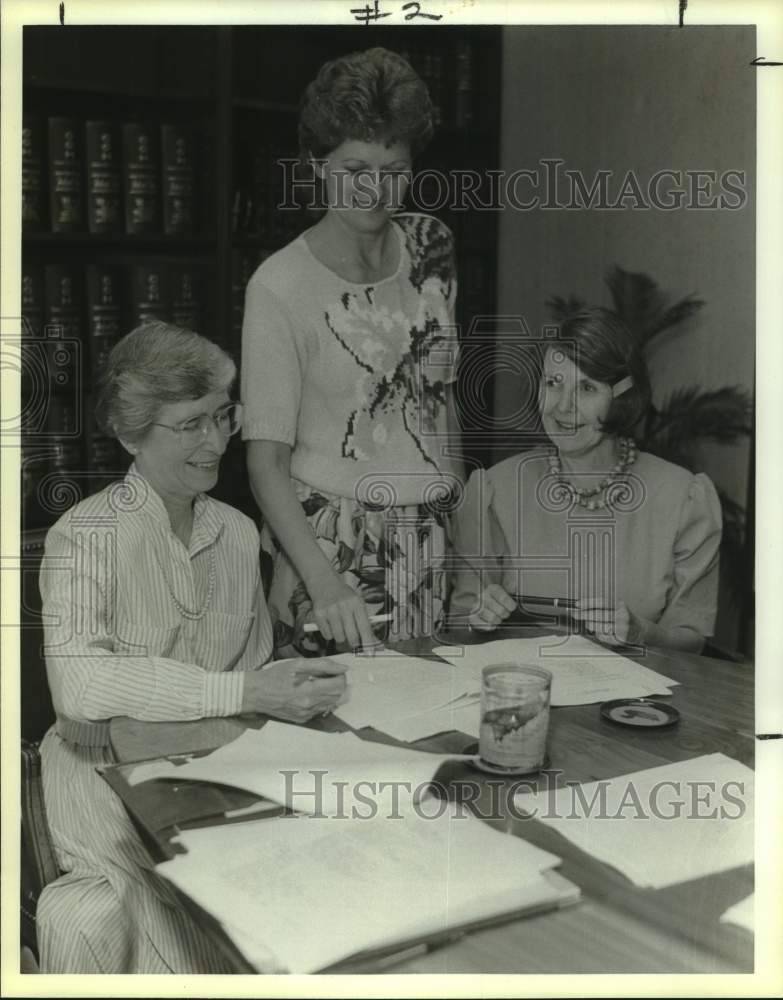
point(38, 860)
point(36, 701)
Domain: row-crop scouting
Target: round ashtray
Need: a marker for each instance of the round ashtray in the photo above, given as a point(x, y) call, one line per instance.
point(640, 712)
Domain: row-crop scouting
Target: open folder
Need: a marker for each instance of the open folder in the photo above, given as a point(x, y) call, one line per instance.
point(371, 864)
point(302, 894)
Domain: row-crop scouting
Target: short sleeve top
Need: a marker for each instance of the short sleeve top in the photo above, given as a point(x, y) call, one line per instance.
point(656, 548)
point(353, 376)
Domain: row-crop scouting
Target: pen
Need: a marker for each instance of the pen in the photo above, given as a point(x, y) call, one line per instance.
point(551, 602)
point(374, 620)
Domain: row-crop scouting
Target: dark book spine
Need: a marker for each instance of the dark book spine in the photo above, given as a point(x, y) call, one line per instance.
point(178, 144)
point(33, 201)
point(150, 301)
point(65, 454)
point(241, 199)
point(63, 302)
point(103, 454)
point(429, 66)
point(32, 301)
point(261, 204)
point(66, 162)
point(61, 349)
point(104, 314)
point(62, 420)
point(140, 163)
point(279, 217)
point(34, 384)
point(64, 328)
point(464, 113)
point(243, 264)
point(187, 307)
point(432, 73)
point(104, 178)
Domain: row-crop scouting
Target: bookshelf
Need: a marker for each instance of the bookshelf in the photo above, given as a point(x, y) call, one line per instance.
point(149, 189)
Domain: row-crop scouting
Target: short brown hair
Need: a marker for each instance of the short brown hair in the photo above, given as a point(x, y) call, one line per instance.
point(153, 365)
point(600, 344)
point(374, 95)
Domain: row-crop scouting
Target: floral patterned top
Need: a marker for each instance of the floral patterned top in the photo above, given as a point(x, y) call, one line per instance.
point(353, 376)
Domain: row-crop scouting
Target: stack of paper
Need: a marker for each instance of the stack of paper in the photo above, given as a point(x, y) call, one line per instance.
point(582, 671)
point(661, 826)
point(301, 894)
point(327, 774)
point(742, 913)
point(406, 696)
point(461, 716)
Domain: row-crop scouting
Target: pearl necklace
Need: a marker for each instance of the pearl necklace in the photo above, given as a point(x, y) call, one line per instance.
point(188, 613)
point(585, 497)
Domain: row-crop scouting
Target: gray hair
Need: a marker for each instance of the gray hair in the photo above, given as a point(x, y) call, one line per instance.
point(153, 365)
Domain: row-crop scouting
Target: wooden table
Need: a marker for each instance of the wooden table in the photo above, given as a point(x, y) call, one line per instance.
point(616, 927)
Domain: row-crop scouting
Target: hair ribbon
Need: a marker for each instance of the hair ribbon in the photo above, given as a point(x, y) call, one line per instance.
point(622, 386)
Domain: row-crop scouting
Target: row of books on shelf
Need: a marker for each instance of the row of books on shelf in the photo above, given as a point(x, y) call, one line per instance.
point(243, 263)
point(271, 193)
point(108, 177)
point(66, 455)
point(73, 316)
point(450, 76)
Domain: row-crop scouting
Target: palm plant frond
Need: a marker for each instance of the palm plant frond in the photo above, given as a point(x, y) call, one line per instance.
point(638, 300)
point(675, 315)
point(561, 308)
point(689, 414)
point(635, 298)
point(666, 443)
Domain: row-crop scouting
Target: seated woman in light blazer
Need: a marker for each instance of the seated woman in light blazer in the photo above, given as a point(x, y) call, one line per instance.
point(632, 539)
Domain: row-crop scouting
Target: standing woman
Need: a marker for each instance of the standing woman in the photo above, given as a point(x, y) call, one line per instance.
point(348, 359)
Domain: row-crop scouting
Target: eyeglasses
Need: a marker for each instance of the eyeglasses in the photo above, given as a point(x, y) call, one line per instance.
point(227, 419)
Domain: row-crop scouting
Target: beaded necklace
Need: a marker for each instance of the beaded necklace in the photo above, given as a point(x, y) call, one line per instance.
point(584, 497)
point(188, 613)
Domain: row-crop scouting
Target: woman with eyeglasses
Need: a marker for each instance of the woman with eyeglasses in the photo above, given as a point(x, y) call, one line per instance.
point(153, 609)
point(348, 360)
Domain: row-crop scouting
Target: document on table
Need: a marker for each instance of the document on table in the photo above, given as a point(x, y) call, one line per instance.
point(661, 826)
point(461, 716)
point(742, 913)
point(330, 774)
point(582, 671)
point(304, 893)
point(149, 770)
point(384, 689)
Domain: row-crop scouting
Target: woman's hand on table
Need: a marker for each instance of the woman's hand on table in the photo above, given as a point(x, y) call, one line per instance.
point(295, 690)
point(614, 625)
point(341, 614)
point(496, 605)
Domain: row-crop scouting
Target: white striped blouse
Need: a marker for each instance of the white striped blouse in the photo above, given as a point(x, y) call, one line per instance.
point(138, 624)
